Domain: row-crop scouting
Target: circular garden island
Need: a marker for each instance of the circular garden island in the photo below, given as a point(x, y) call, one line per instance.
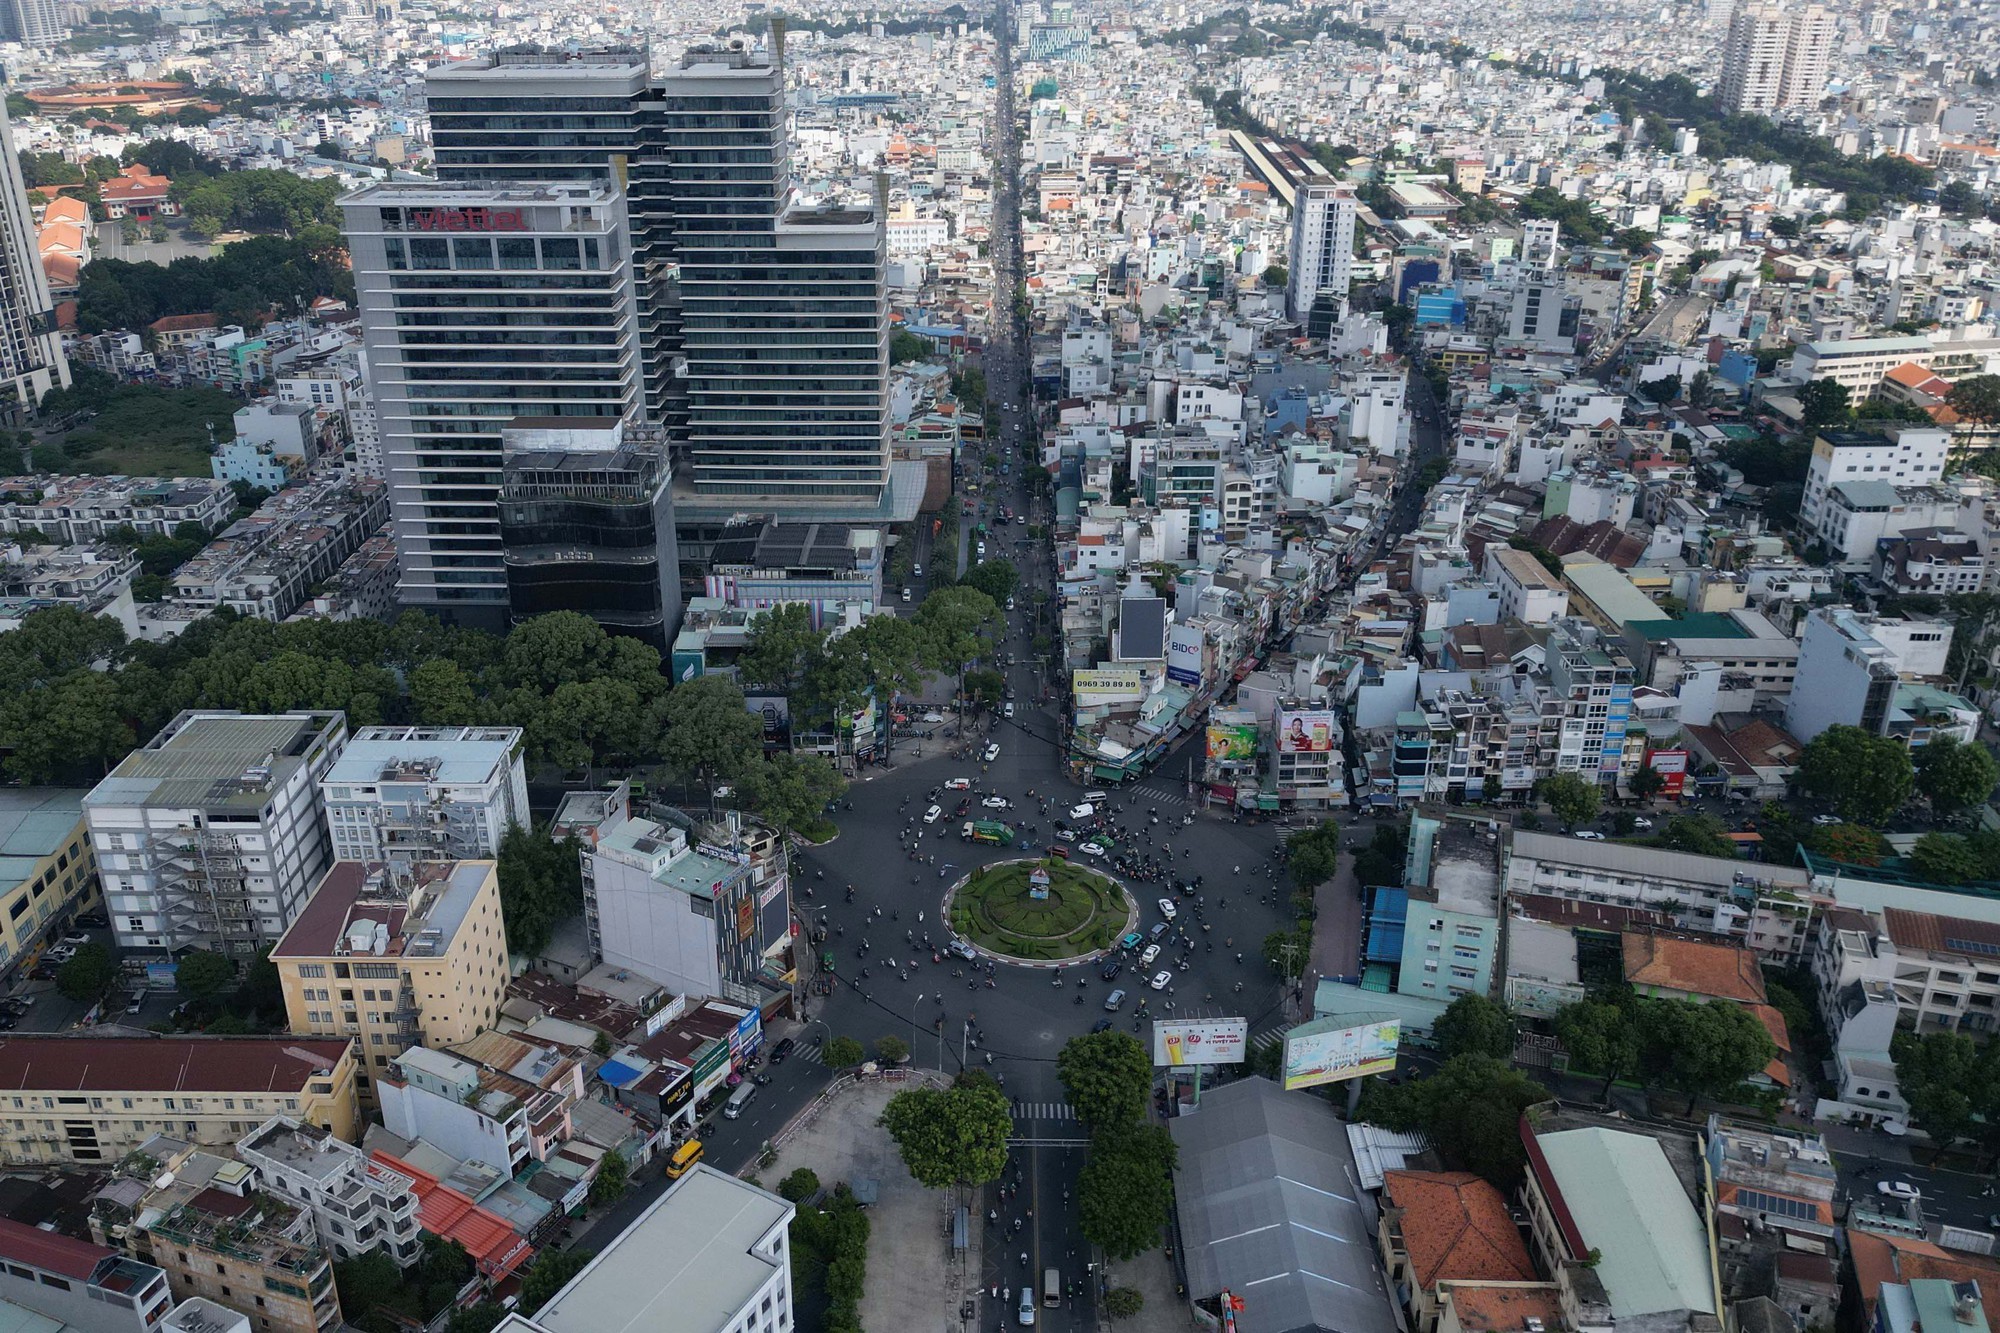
point(1002, 910)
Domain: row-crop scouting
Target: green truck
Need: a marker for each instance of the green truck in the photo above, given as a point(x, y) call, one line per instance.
point(988, 830)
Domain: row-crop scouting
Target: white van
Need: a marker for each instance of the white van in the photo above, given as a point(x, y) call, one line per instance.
point(738, 1100)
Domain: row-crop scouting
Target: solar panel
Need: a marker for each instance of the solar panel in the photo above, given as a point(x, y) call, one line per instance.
point(1972, 946)
point(1778, 1204)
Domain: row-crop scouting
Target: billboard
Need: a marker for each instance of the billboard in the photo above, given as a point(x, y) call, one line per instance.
point(1184, 643)
point(1237, 741)
point(1671, 765)
point(1099, 686)
point(1307, 732)
point(775, 712)
point(1199, 1041)
point(1329, 1050)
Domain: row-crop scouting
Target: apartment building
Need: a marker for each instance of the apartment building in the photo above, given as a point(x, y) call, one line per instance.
point(47, 870)
point(1529, 593)
point(1901, 456)
point(72, 1283)
point(1776, 58)
point(391, 956)
point(91, 1100)
point(209, 835)
point(267, 564)
point(255, 1255)
point(1944, 972)
point(479, 1113)
point(94, 580)
point(1858, 363)
point(1851, 666)
point(67, 510)
point(1768, 907)
point(358, 1204)
point(425, 793)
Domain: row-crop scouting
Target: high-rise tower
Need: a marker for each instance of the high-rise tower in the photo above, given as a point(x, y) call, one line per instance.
point(1322, 255)
point(1775, 58)
point(31, 356)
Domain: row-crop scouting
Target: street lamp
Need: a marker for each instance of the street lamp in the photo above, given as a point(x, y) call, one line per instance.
point(913, 1022)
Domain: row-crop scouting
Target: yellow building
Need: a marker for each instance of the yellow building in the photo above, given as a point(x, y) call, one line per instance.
point(91, 1100)
point(394, 957)
point(255, 1254)
point(47, 871)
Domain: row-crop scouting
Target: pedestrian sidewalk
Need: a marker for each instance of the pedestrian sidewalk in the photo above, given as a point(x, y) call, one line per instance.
point(1152, 1276)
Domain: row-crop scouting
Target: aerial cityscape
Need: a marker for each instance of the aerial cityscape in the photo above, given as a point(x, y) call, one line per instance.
point(1399, 602)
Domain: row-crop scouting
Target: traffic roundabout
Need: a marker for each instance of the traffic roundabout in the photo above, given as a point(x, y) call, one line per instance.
point(1041, 912)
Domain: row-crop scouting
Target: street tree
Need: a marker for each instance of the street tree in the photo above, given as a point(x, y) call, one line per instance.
point(1471, 1107)
point(1704, 1050)
point(1702, 834)
point(1474, 1025)
point(996, 578)
point(1288, 952)
point(957, 624)
point(791, 791)
point(799, 1185)
point(1864, 777)
point(1126, 1189)
point(891, 651)
point(87, 975)
point(1108, 1076)
point(1381, 861)
point(1955, 776)
point(1571, 798)
point(555, 649)
point(1601, 1038)
point(891, 1049)
point(74, 728)
point(1125, 1302)
point(842, 1053)
point(1313, 854)
point(952, 1136)
point(614, 1176)
point(1648, 782)
point(442, 695)
point(550, 1273)
point(1946, 858)
point(708, 732)
point(1948, 1081)
point(781, 645)
point(1662, 390)
point(1976, 400)
point(201, 974)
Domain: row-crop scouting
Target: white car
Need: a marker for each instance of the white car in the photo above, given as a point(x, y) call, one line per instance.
point(1085, 811)
point(1007, 710)
point(1066, 834)
point(1898, 1189)
point(1092, 848)
point(1146, 958)
point(1590, 835)
point(1162, 980)
point(1641, 821)
point(996, 803)
point(958, 784)
point(1828, 821)
point(1168, 910)
point(933, 716)
point(931, 815)
point(992, 752)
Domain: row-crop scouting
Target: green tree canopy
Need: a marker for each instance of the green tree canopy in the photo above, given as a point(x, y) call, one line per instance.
point(842, 1053)
point(1704, 1050)
point(1947, 858)
point(1864, 777)
point(1824, 403)
point(1954, 776)
point(87, 975)
point(1108, 1076)
point(709, 732)
point(799, 1185)
point(541, 886)
point(996, 578)
point(951, 1136)
point(1948, 1079)
point(782, 644)
point(1601, 1038)
point(1471, 1107)
point(613, 1177)
point(1571, 798)
point(202, 974)
point(1312, 855)
point(1126, 1189)
point(790, 791)
point(1475, 1025)
point(549, 1274)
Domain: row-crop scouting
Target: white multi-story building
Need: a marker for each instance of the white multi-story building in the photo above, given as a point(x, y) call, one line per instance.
point(1901, 456)
point(210, 835)
point(1322, 253)
point(1528, 592)
point(1944, 972)
point(358, 1205)
point(732, 1269)
point(1775, 58)
point(475, 1112)
point(432, 265)
point(31, 355)
point(1850, 664)
point(425, 793)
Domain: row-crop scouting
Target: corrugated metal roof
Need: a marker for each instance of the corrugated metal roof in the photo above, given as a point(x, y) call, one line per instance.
point(1630, 1208)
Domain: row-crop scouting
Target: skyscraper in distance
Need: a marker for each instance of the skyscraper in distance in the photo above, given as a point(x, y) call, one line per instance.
point(1322, 255)
point(1775, 57)
point(31, 356)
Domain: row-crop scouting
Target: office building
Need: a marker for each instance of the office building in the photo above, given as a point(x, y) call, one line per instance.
point(587, 520)
point(1901, 456)
point(74, 1284)
point(480, 305)
point(392, 955)
point(1322, 256)
point(33, 23)
point(425, 793)
point(47, 870)
point(209, 835)
point(1776, 58)
point(358, 1205)
point(1850, 667)
point(91, 1100)
point(711, 1255)
point(255, 1255)
point(691, 919)
point(31, 356)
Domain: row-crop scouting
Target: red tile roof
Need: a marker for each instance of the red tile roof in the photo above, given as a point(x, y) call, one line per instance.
point(443, 1211)
point(1697, 967)
point(1456, 1228)
point(47, 1249)
point(39, 1063)
point(1940, 934)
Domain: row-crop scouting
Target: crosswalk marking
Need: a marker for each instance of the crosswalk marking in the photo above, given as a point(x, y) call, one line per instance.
point(1268, 1037)
point(1043, 1111)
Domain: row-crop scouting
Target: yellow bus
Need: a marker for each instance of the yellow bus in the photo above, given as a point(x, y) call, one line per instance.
point(684, 1157)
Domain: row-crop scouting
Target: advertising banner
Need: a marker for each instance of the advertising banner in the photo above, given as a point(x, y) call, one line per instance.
point(1106, 685)
point(1671, 765)
point(775, 712)
point(1330, 1050)
point(1184, 652)
point(1199, 1041)
point(1232, 742)
point(1307, 732)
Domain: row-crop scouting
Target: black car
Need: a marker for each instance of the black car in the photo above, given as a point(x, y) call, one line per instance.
point(1101, 1025)
point(781, 1050)
point(1112, 967)
point(93, 921)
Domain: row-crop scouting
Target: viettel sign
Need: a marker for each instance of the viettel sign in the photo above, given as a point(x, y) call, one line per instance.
point(468, 219)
